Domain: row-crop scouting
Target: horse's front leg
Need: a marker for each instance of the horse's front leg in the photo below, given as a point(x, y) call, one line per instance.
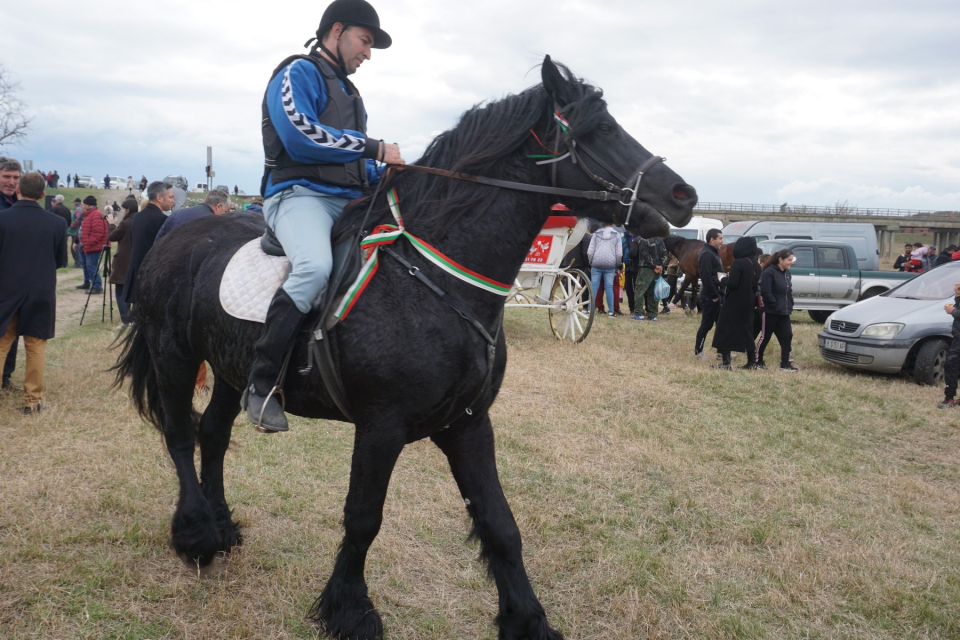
point(343, 609)
point(469, 449)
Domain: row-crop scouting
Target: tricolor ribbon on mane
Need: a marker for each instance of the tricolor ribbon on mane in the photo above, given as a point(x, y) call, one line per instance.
point(388, 234)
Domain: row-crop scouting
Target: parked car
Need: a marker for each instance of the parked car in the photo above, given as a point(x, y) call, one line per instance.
point(223, 187)
point(862, 236)
point(903, 330)
point(697, 228)
point(178, 181)
point(826, 276)
point(86, 182)
point(201, 186)
point(116, 182)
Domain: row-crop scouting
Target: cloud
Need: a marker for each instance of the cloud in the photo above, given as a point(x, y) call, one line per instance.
point(748, 100)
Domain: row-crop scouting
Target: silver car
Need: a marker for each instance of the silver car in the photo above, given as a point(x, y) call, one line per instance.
point(903, 330)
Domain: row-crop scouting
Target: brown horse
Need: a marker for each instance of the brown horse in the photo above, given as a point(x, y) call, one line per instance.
point(687, 251)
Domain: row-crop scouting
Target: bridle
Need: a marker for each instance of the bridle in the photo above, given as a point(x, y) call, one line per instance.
point(625, 196)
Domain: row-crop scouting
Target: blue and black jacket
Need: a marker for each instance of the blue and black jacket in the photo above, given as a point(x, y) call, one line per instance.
point(314, 131)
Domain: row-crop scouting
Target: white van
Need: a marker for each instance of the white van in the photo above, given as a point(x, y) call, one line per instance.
point(862, 236)
point(697, 228)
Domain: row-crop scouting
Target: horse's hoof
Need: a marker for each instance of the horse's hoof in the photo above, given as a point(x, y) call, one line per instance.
point(347, 615)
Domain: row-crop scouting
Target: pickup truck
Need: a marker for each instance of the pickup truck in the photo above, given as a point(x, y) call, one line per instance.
point(826, 277)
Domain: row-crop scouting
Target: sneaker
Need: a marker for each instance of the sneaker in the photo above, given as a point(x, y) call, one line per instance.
point(788, 367)
point(9, 386)
point(760, 365)
point(722, 365)
point(637, 316)
point(85, 285)
point(651, 319)
point(611, 315)
point(667, 310)
point(948, 403)
point(96, 290)
point(699, 355)
point(750, 366)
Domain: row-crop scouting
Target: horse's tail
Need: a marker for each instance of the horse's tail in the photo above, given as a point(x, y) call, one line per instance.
point(135, 363)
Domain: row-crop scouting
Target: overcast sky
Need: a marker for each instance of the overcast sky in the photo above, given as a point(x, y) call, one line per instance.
point(809, 102)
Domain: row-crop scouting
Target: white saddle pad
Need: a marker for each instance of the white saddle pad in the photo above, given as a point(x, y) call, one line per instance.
point(251, 279)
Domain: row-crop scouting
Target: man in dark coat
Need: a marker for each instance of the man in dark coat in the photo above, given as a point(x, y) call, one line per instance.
point(216, 203)
point(143, 232)
point(735, 324)
point(10, 171)
point(710, 266)
point(33, 244)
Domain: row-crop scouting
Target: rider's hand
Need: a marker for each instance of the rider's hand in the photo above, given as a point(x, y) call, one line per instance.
point(392, 154)
point(948, 308)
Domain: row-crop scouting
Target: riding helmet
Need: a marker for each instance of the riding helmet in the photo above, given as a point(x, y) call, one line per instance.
point(359, 13)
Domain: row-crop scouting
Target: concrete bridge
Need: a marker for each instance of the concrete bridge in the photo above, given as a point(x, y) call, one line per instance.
point(944, 225)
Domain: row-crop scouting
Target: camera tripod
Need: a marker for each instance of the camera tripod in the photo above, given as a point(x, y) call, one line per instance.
point(107, 297)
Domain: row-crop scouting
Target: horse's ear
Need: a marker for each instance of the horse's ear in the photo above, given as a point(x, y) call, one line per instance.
point(553, 81)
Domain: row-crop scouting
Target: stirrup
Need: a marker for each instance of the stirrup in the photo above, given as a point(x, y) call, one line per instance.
point(283, 405)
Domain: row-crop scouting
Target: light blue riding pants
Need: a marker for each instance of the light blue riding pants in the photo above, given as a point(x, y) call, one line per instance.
point(302, 220)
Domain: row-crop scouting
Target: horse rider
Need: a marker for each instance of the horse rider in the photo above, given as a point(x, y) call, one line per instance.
point(318, 157)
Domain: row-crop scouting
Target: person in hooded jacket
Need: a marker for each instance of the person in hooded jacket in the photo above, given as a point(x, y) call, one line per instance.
point(605, 255)
point(945, 256)
point(735, 324)
point(776, 290)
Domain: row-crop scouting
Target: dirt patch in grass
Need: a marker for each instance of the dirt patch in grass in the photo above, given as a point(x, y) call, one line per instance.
point(658, 498)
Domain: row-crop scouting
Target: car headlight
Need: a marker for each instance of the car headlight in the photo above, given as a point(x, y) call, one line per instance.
point(883, 330)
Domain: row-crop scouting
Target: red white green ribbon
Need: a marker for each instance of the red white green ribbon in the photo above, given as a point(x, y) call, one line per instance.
point(388, 234)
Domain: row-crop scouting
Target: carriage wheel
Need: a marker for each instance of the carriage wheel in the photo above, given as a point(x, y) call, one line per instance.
point(572, 308)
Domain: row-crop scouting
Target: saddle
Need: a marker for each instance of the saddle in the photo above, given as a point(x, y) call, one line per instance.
point(260, 267)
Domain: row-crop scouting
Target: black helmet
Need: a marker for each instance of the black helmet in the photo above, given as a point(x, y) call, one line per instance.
point(358, 13)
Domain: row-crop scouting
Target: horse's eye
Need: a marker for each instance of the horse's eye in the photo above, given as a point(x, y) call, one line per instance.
point(605, 129)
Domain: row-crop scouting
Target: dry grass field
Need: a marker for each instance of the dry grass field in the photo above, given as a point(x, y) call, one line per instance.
point(657, 497)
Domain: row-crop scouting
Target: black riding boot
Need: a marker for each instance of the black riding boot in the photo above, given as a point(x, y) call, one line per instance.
point(279, 332)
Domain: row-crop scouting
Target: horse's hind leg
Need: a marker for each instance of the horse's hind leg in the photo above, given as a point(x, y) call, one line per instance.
point(216, 426)
point(194, 535)
point(469, 449)
point(343, 609)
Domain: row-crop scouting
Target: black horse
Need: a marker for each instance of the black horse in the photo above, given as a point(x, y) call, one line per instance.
point(411, 366)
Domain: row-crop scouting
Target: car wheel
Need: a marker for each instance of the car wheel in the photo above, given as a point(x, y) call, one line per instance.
point(819, 316)
point(930, 359)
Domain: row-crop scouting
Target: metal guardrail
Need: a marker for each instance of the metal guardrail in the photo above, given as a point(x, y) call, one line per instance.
point(836, 210)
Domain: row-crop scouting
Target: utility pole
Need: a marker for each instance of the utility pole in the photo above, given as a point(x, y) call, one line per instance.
point(211, 174)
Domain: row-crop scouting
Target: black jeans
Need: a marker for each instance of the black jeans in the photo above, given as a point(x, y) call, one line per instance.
point(781, 327)
point(951, 369)
point(710, 311)
point(630, 281)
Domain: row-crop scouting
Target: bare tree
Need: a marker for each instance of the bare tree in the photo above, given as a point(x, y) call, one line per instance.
point(13, 122)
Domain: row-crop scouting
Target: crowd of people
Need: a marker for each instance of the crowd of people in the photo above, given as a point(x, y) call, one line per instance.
point(918, 258)
point(749, 305)
point(35, 242)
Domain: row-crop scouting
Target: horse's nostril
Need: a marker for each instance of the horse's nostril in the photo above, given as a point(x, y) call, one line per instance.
point(679, 192)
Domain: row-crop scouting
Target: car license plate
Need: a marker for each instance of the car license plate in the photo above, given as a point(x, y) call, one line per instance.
point(835, 345)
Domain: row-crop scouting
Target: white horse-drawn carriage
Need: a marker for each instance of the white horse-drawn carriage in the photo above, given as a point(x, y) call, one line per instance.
point(542, 283)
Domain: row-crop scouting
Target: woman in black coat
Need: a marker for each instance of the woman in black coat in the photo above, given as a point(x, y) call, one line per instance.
point(735, 324)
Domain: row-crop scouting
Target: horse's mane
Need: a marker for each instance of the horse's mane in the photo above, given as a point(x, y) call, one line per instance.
point(486, 141)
